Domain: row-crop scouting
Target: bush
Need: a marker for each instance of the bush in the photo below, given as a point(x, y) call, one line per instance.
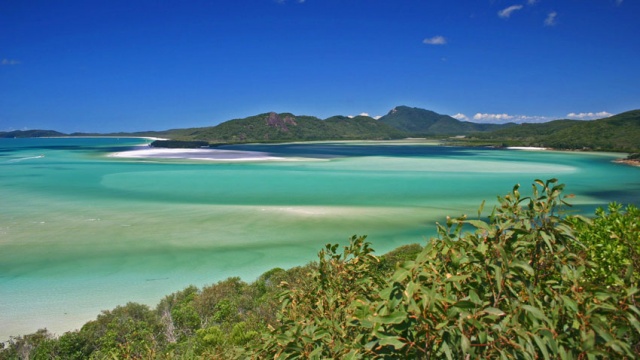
point(512, 288)
point(611, 245)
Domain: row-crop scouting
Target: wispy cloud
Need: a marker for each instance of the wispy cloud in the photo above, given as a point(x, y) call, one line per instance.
point(436, 40)
point(589, 115)
point(506, 118)
point(9, 62)
point(460, 116)
point(531, 2)
point(506, 13)
point(551, 19)
point(619, 2)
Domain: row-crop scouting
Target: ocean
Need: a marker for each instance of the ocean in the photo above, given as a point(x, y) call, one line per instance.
point(82, 231)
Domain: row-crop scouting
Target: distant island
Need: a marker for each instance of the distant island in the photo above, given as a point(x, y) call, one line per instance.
point(618, 133)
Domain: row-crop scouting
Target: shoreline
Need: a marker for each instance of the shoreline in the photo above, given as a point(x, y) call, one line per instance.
point(194, 154)
point(629, 162)
point(527, 148)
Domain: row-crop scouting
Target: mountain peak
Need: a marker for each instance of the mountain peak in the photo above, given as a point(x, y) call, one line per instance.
point(417, 121)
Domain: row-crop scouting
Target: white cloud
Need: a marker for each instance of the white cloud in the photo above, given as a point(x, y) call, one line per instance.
point(506, 13)
point(589, 115)
point(9, 62)
point(460, 116)
point(492, 117)
point(506, 118)
point(377, 117)
point(436, 40)
point(364, 114)
point(551, 19)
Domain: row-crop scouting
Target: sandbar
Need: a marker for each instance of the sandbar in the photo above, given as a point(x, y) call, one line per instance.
point(530, 148)
point(195, 154)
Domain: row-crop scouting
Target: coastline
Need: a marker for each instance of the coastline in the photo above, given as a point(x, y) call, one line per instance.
point(629, 162)
point(527, 148)
point(195, 154)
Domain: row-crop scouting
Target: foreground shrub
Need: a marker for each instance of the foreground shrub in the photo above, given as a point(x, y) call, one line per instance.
point(315, 318)
point(611, 245)
point(512, 288)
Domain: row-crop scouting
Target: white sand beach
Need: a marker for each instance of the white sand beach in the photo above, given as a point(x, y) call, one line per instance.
point(196, 154)
point(529, 148)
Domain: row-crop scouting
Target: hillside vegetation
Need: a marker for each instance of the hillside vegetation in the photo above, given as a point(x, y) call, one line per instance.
point(30, 134)
point(420, 122)
point(617, 133)
point(528, 283)
point(273, 127)
point(401, 122)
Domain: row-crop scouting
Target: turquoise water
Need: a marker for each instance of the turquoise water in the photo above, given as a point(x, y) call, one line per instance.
point(81, 232)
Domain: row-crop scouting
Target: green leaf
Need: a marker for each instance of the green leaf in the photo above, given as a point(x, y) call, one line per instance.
point(494, 311)
point(634, 309)
point(394, 318)
point(524, 266)
point(602, 332)
point(634, 322)
point(465, 304)
point(457, 278)
point(535, 312)
point(551, 342)
point(541, 346)
point(392, 341)
point(481, 208)
point(569, 303)
point(473, 295)
point(447, 351)
point(465, 343)
point(479, 224)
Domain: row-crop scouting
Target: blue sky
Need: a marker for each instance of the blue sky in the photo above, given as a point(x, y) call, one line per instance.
point(111, 65)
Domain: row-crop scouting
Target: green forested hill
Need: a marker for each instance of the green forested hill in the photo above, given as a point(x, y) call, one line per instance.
point(273, 127)
point(30, 134)
point(616, 133)
point(401, 122)
point(420, 122)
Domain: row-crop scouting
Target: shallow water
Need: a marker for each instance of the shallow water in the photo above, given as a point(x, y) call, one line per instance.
point(81, 232)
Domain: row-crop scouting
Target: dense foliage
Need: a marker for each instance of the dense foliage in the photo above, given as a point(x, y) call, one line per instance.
point(612, 245)
point(527, 282)
point(272, 127)
point(616, 133)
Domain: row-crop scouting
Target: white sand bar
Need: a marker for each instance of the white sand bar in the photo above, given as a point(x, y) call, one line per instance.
point(530, 148)
point(196, 154)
